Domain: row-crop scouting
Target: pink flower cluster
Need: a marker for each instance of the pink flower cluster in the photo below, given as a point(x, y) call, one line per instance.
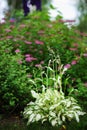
point(66, 21)
point(39, 65)
point(28, 42)
point(39, 42)
point(29, 58)
point(67, 66)
point(17, 50)
point(72, 49)
point(85, 54)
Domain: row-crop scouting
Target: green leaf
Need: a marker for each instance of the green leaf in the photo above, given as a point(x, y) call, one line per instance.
point(12, 103)
point(52, 7)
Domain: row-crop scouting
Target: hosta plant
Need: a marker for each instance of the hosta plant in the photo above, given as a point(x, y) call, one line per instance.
point(51, 105)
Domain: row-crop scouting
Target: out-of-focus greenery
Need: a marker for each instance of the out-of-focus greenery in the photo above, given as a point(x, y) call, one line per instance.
point(82, 7)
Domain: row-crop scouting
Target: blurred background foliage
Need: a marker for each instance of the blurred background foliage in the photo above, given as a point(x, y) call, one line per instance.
point(17, 4)
point(82, 7)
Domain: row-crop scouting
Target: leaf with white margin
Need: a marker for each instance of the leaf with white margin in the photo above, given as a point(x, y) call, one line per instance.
point(31, 117)
point(38, 117)
point(34, 94)
point(53, 122)
point(76, 116)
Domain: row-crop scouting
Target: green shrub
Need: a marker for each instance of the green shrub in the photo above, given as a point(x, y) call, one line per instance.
point(24, 47)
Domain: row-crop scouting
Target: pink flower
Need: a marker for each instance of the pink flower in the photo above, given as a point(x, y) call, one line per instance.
point(70, 21)
point(19, 61)
point(9, 37)
point(72, 49)
point(12, 20)
point(83, 34)
point(34, 58)
point(67, 66)
point(41, 32)
point(27, 55)
point(17, 51)
point(12, 26)
point(75, 45)
point(27, 42)
point(85, 54)
point(29, 59)
point(22, 25)
point(3, 18)
point(2, 22)
point(42, 62)
point(38, 65)
point(39, 42)
point(66, 21)
point(73, 62)
point(7, 30)
point(85, 84)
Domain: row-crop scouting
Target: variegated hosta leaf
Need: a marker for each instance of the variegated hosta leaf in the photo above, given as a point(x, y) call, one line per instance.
point(54, 122)
point(52, 106)
point(38, 117)
point(34, 94)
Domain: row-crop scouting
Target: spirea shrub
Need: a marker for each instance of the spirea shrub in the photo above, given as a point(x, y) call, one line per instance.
point(24, 47)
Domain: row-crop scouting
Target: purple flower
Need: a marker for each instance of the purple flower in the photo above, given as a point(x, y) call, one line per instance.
point(85, 54)
point(27, 55)
point(38, 65)
point(67, 66)
point(73, 62)
point(29, 59)
point(17, 51)
point(39, 42)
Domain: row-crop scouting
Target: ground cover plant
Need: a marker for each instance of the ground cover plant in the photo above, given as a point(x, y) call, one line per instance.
point(24, 48)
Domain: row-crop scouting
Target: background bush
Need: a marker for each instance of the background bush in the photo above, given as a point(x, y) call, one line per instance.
point(24, 47)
